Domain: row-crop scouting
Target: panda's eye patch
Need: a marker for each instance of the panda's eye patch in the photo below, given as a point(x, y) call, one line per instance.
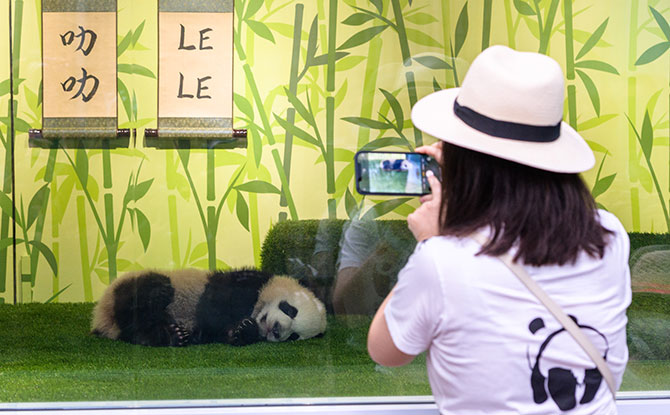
point(288, 309)
point(265, 317)
point(293, 336)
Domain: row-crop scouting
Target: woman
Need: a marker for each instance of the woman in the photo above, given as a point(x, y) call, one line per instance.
point(510, 171)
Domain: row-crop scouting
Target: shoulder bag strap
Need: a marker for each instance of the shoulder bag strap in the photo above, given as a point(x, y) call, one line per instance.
point(558, 313)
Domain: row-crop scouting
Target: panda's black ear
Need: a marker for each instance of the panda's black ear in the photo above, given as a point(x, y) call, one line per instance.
point(288, 309)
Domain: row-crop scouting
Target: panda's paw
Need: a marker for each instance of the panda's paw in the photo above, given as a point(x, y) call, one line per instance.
point(180, 337)
point(245, 333)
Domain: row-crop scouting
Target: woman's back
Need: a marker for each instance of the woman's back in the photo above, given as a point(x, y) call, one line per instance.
point(493, 347)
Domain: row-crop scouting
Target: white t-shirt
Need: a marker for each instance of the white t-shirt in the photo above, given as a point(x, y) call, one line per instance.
point(493, 348)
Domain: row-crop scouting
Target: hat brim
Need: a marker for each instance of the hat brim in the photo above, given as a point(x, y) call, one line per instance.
point(569, 153)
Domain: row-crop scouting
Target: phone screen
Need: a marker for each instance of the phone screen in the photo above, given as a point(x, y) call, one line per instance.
point(391, 173)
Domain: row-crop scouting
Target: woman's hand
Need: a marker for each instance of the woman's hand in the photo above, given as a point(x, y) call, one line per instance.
point(434, 150)
point(424, 222)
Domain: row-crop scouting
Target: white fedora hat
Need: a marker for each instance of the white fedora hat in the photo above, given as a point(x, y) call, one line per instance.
point(509, 106)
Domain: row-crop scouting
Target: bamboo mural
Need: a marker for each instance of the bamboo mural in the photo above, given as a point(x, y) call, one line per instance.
point(314, 82)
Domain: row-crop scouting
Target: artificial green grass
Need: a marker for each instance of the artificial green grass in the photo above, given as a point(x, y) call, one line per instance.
point(47, 354)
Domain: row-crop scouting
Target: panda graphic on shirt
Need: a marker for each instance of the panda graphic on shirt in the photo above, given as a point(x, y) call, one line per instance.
point(551, 376)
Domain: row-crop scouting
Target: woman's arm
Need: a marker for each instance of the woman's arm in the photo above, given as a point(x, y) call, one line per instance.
point(380, 344)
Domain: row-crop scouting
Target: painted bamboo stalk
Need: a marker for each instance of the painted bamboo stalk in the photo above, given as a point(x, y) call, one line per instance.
point(407, 61)
point(329, 155)
point(83, 249)
point(486, 25)
point(251, 81)
point(293, 88)
point(570, 64)
point(633, 155)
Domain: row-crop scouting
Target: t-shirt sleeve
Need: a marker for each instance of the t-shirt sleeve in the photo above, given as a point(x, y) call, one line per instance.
point(415, 311)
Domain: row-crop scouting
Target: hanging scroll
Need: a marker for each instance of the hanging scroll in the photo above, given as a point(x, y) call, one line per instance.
point(79, 70)
point(195, 71)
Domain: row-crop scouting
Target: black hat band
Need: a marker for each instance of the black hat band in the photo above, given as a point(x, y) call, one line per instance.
point(506, 129)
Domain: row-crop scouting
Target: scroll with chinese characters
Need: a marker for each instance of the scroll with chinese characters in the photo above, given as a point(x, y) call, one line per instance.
point(79, 69)
point(195, 70)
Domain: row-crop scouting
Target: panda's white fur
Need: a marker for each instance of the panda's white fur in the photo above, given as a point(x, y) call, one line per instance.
point(188, 288)
point(308, 322)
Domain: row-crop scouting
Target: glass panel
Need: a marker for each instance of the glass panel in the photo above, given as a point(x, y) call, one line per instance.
point(314, 82)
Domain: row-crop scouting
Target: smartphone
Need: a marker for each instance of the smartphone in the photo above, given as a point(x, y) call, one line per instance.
point(393, 173)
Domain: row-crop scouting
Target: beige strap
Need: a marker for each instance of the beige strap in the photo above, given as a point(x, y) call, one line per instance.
point(567, 323)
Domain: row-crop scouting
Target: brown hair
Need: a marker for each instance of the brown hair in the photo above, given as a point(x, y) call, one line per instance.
point(552, 216)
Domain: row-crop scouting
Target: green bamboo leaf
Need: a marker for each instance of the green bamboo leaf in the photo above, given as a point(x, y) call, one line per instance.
point(647, 136)
point(421, 18)
point(344, 179)
point(662, 23)
point(143, 228)
point(341, 93)
point(5, 86)
point(593, 39)
point(141, 189)
point(184, 155)
point(651, 104)
point(258, 186)
point(53, 297)
point(363, 36)
point(252, 8)
point(47, 254)
point(283, 29)
point(6, 204)
point(432, 62)
point(652, 53)
point(297, 131)
point(421, 38)
point(595, 121)
point(395, 107)
point(350, 204)
point(21, 125)
point(138, 33)
point(602, 185)
point(383, 142)
point(341, 154)
point(597, 65)
point(300, 107)
point(591, 89)
point(368, 123)
point(379, 5)
point(133, 106)
point(461, 29)
point(261, 30)
point(523, 8)
point(323, 60)
point(242, 211)
point(436, 85)
point(384, 207)
point(135, 69)
point(258, 146)
point(125, 97)
point(6, 243)
point(37, 204)
point(357, 19)
point(130, 191)
point(199, 251)
point(312, 41)
point(645, 179)
point(81, 166)
point(244, 105)
point(124, 43)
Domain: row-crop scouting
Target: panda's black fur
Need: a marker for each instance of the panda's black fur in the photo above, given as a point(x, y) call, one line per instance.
point(177, 308)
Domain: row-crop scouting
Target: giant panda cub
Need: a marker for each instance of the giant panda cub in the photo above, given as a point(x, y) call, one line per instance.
point(182, 307)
